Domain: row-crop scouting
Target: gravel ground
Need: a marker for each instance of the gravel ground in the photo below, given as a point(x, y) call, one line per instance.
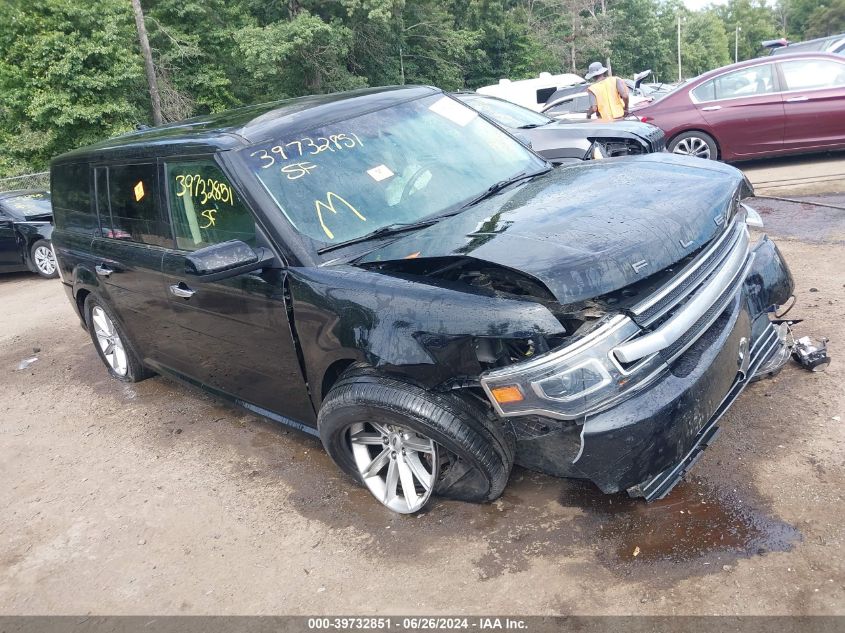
point(151, 498)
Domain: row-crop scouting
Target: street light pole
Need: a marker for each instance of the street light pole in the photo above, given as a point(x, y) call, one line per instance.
point(679, 48)
point(736, 43)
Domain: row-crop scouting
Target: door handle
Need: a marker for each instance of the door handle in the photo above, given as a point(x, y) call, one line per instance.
point(797, 99)
point(711, 108)
point(103, 271)
point(181, 290)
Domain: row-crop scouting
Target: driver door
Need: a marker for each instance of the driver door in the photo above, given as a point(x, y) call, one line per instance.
point(231, 335)
point(10, 257)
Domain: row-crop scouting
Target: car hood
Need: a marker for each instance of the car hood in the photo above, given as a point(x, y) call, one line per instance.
point(598, 127)
point(590, 229)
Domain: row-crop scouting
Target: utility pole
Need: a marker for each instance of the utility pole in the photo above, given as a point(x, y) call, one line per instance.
point(736, 43)
point(401, 68)
point(148, 61)
point(680, 77)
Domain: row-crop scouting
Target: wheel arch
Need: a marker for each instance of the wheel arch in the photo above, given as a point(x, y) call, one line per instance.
point(332, 374)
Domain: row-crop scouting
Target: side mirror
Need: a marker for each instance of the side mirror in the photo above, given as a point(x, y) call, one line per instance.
point(227, 259)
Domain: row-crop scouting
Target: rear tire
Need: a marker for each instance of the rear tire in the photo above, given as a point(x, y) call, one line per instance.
point(43, 260)
point(698, 144)
point(111, 343)
point(473, 454)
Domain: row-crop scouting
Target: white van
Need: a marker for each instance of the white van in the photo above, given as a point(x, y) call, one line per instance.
point(532, 93)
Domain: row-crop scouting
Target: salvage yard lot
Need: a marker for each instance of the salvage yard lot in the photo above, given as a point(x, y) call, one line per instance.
point(117, 497)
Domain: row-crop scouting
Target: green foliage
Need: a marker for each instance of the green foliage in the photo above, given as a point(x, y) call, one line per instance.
point(69, 75)
point(704, 43)
point(757, 22)
point(826, 20)
point(71, 71)
point(299, 56)
point(637, 41)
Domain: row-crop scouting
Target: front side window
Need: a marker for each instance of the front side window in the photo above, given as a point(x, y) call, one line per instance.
point(204, 207)
point(748, 82)
point(813, 74)
point(397, 165)
point(134, 211)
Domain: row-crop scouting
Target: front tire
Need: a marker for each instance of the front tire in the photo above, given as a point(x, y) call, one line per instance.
point(405, 443)
point(43, 260)
point(698, 144)
point(112, 344)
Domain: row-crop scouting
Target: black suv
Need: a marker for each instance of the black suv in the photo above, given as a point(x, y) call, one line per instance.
point(391, 272)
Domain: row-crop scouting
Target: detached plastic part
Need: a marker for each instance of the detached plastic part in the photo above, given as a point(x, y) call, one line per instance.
point(810, 355)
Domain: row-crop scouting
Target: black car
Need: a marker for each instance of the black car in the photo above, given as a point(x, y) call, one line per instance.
point(25, 228)
point(560, 142)
point(391, 272)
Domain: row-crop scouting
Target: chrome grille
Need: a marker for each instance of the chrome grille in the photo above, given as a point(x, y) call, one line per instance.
point(677, 314)
point(668, 297)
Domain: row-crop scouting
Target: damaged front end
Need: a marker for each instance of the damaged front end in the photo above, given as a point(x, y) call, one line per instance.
point(610, 337)
point(632, 404)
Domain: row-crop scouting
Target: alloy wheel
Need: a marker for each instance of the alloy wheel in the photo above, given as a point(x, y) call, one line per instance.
point(398, 465)
point(109, 341)
point(44, 260)
point(693, 146)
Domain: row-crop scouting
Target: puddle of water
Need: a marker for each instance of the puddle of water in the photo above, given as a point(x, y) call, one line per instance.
point(695, 521)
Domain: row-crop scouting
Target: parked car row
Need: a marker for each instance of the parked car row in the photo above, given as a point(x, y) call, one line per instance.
point(788, 104)
point(25, 229)
point(562, 143)
point(392, 272)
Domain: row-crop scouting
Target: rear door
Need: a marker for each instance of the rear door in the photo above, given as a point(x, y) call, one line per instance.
point(232, 335)
point(744, 110)
point(133, 238)
point(814, 101)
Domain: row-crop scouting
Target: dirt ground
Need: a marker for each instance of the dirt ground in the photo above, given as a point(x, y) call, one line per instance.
point(151, 498)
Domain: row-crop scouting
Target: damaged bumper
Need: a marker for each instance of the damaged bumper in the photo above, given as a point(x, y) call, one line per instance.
point(699, 342)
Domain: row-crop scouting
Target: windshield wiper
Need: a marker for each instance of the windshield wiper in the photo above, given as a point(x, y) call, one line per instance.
point(390, 229)
point(492, 190)
point(531, 126)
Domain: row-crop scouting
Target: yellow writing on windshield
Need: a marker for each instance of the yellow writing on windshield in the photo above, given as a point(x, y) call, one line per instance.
point(298, 170)
point(329, 204)
point(306, 146)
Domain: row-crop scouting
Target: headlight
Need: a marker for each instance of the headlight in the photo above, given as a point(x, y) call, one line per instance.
point(575, 380)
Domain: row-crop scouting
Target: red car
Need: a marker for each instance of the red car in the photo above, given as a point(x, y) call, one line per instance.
point(786, 104)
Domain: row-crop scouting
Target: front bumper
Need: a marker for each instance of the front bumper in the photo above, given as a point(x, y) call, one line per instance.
point(647, 442)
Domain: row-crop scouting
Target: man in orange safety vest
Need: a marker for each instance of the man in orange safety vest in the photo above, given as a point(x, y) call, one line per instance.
point(608, 94)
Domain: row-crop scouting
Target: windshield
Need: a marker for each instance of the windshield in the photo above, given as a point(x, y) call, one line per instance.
point(397, 165)
point(505, 113)
point(30, 204)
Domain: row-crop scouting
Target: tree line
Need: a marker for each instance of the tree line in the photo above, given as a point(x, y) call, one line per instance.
point(72, 72)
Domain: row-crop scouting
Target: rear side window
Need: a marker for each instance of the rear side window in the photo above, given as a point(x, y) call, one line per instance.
point(133, 213)
point(705, 92)
point(204, 206)
point(748, 82)
point(71, 193)
point(812, 74)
